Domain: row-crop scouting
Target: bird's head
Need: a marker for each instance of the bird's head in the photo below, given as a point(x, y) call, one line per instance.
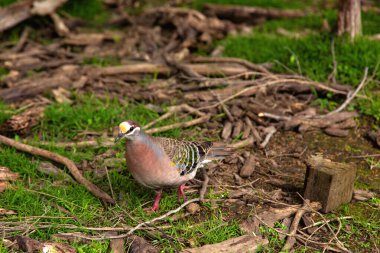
point(128, 129)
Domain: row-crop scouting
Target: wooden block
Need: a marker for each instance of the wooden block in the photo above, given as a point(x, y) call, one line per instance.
point(328, 182)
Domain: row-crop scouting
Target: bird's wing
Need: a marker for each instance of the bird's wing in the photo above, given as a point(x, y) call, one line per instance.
point(186, 155)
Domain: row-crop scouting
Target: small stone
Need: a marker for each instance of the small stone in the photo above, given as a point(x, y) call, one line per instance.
point(193, 208)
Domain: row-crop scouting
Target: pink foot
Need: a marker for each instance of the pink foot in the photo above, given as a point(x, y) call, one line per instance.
point(156, 204)
point(181, 192)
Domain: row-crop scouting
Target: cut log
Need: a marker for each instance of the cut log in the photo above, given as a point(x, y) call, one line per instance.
point(349, 18)
point(328, 182)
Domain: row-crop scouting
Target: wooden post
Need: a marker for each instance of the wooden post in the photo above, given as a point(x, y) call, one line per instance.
point(329, 182)
point(349, 18)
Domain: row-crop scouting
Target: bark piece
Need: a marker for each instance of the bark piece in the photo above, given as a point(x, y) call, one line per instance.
point(248, 167)
point(241, 244)
point(7, 175)
point(23, 122)
point(140, 245)
point(329, 182)
point(337, 132)
point(237, 128)
point(227, 129)
point(375, 137)
point(30, 245)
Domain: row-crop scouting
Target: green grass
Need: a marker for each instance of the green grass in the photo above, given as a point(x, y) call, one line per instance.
point(92, 11)
point(310, 54)
point(6, 2)
point(102, 61)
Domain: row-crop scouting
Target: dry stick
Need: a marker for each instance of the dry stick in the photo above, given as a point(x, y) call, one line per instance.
point(327, 221)
point(269, 135)
point(293, 228)
point(59, 159)
point(162, 216)
point(178, 125)
point(332, 76)
point(350, 95)
point(204, 185)
point(81, 144)
point(224, 107)
point(274, 82)
point(339, 244)
point(274, 116)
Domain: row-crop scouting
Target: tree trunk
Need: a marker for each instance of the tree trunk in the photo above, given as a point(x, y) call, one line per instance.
point(349, 18)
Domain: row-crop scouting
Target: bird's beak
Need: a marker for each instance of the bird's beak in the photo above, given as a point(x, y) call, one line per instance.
point(119, 137)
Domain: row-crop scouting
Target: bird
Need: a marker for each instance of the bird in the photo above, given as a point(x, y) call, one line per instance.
point(159, 162)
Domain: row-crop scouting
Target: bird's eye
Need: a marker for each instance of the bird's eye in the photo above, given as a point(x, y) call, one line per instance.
point(131, 128)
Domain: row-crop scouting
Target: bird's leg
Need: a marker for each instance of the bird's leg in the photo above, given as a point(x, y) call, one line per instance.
point(181, 192)
point(156, 204)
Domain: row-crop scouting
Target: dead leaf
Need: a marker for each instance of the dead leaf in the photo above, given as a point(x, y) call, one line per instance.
point(6, 212)
point(7, 175)
point(61, 95)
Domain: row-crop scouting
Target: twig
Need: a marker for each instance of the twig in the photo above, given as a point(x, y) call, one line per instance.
point(81, 144)
point(162, 216)
point(327, 221)
point(109, 182)
point(332, 76)
point(293, 228)
point(203, 190)
point(242, 144)
point(273, 116)
point(224, 107)
point(364, 156)
point(350, 95)
point(339, 244)
point(59, 159)
point(179, 125)
point(271, 131)
point(23, 38)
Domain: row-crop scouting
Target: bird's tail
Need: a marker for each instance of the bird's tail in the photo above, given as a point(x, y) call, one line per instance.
point(219, 151)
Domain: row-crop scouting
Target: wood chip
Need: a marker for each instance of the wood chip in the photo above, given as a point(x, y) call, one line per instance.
point(237, 128)
point(336, 132)
point(248, 167)
point(227, 129)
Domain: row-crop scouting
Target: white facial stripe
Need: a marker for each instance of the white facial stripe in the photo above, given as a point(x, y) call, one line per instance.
point(134, 130)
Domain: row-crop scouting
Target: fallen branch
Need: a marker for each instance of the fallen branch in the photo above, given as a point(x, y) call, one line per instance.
point(293, 228)
point(59, 159)
point(152, 68)
point(179, 125)
point(162, 216)
point(351, 96)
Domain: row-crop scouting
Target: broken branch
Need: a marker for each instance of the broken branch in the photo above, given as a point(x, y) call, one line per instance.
point(59, 159)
